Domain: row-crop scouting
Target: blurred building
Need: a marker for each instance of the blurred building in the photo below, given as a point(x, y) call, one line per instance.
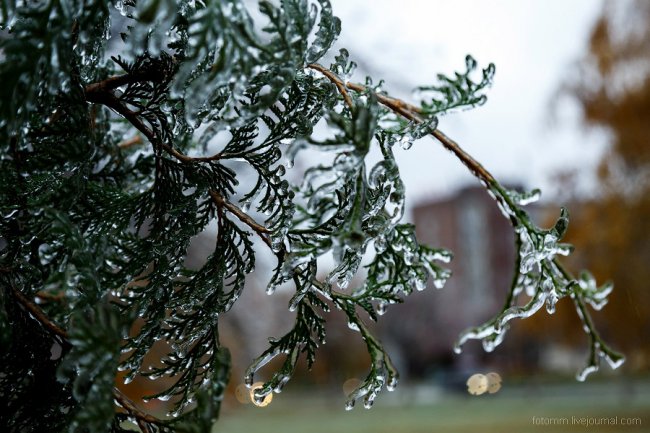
point(424, 328)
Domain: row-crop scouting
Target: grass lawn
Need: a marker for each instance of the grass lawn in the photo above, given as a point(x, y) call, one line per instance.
point(413, 411)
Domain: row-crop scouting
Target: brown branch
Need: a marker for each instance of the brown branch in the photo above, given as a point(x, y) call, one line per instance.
point(412, 113)
point(475, 166)
point(128, 405)
point(112, 83)
point(99, 93)
point(108, 99)
point(136, 139)
point(39, 315)
point(340, 85)
point(48, 296)
point(222, 202)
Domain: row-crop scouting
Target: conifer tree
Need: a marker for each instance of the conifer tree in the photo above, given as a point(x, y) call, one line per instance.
point(113, 157)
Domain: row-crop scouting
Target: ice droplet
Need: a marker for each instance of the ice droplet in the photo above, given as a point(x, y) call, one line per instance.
point(409, 257)
point(525, 198)
point(349, 405)
point(614, 360)
point(582, 374)
point(439, 283)
point(380, 244)
point(175, 413)
point(278, 388)
point(421, 283)
point(406, 141)
point(392, 384)
point(11, 214)
point(488, 345)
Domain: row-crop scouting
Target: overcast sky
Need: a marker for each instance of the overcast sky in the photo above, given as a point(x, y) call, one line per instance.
point(533, 44)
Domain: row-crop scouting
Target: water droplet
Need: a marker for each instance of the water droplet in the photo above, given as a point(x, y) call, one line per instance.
point(409, 257)
point(10, 214)
point(421, 283)
point(380, 244)
point(261, 397)
point(439, 283)
point(392, 384)
point(406, 141)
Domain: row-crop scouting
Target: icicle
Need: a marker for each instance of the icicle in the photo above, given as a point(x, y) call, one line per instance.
point(614, 360)
point(353, 326)
point(586, 371)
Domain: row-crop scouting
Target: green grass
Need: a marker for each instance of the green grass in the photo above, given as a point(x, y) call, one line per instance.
point(508, 411)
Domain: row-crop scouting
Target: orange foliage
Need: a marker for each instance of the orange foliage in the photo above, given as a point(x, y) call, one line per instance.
point(612, 232)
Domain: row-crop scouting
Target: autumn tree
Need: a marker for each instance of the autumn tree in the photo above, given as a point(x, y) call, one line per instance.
point(612, 230)
point(111, 163)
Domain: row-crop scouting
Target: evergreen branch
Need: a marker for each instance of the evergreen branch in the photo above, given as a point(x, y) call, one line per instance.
point(414, 114)
point(42, 318)
point(133, 141)
point(409, 112)
point(112, 83)
point(596, 343)
point(109, 233)
point(534, 245)
point(340, 85)
point(261, 231)
point(133, 411)
point(382, 371)
point(100, 93)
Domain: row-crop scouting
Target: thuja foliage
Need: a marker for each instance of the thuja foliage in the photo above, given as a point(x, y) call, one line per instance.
point(127, 128)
